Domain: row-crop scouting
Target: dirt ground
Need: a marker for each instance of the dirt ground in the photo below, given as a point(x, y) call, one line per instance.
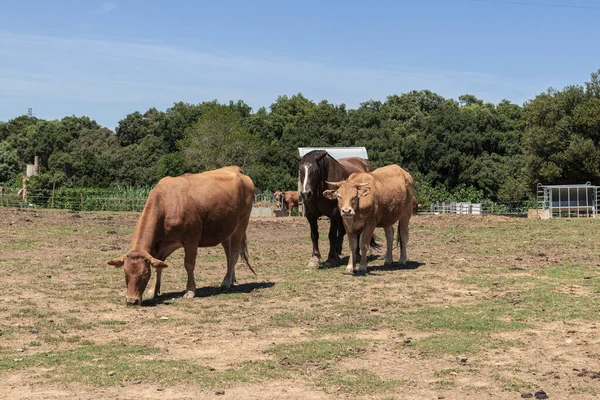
point(487, 307)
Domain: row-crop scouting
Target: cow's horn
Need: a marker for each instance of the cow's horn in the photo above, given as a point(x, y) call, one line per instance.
point(336, 184)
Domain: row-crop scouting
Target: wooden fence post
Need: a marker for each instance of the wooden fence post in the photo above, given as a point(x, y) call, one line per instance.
point(52, 201)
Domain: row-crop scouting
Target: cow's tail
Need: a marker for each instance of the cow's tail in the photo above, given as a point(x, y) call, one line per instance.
point(374, 244)
point(244, 253)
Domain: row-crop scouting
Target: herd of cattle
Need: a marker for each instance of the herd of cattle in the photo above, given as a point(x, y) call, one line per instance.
point(214, 207)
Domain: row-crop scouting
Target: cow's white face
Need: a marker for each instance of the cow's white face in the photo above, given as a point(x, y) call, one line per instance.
point(137, 267)
point(347, 195)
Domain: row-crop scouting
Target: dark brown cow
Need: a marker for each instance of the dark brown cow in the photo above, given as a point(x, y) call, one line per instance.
point(314, 169)
point(370, 200)
point(189, 211)
point(287, 200)
point(415, 205)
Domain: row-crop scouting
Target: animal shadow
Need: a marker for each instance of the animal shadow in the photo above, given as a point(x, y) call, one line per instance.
point(396, 266)
point(344, 262)
point(209, 291)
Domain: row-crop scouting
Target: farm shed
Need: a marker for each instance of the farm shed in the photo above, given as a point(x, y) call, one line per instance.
point(579, 200)
point(336, 153)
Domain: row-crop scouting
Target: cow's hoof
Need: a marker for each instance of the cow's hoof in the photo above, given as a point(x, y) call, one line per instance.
point(403, 261)
point(361, 272)
point(330, 264)
point(348, 271)
point(314, 262)
point(190, 294)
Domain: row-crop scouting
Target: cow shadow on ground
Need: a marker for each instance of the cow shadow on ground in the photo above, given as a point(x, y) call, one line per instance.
point(344, 262)
point(209, 291)
point(395, 266)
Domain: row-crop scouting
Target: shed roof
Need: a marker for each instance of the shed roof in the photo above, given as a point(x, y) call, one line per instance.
point(337, 152)
point(572, 186)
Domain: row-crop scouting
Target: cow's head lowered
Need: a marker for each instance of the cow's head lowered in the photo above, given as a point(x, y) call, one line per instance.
point(137, 266)
point(348, 196)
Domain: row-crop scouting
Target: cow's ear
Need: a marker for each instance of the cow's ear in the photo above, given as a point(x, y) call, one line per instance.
point(117, 262)
point(298, 158)
point(330, 194)
point(157, 263)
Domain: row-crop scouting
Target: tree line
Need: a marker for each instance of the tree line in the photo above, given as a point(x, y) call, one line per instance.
point(465, 149)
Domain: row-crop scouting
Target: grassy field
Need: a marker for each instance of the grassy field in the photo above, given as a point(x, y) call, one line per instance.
point(488, 307)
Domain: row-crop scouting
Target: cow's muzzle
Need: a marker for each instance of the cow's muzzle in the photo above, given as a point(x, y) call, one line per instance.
point(347, 212)
point(133, 301)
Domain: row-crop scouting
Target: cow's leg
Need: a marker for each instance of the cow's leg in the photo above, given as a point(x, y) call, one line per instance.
point(233, 249)
point(365, 242)
point(403, 238)
point(191, 250)
point(156, 287)
point(389, 237)
point(229, 279)
point(314, 236)
point(353, 239)
point(333, 258)
point(357, 248)
point(339, 241)
point(290, 208)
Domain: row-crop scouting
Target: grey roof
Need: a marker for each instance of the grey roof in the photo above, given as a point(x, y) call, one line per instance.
point(574, 186)
point(338, 152)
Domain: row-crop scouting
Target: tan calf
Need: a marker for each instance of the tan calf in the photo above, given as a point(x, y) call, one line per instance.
point(287, 200)
point(369, 200)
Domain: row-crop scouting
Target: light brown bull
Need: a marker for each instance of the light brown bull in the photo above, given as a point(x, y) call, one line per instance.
point(372, 200)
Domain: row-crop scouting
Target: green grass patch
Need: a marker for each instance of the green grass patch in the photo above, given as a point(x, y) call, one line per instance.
point(317, 351)
point(463, 343)
point(291, 319)
point(482, 317)
point(112, 322)
point(454, 371)
point(512, 383)
point(567, 271)
point(359, 382)
point(90, 365)
point(546, 304)
point(444, 384)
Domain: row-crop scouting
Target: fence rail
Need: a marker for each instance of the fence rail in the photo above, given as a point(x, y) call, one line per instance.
point(131, 199)
point(90, 200)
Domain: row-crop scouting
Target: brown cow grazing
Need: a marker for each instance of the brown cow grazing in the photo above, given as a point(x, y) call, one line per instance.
point(372, 200)
point(189, 211)
point(287, 200)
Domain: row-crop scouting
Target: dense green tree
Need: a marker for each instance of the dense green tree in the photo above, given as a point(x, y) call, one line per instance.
point(455, 149)
point(217, 140)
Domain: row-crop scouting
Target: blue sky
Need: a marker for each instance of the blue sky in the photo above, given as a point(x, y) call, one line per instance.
point(106, 59)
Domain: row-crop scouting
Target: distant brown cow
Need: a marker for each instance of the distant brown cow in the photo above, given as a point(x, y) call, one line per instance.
point(189, 211)
point(376, 199)
point(288, 200)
